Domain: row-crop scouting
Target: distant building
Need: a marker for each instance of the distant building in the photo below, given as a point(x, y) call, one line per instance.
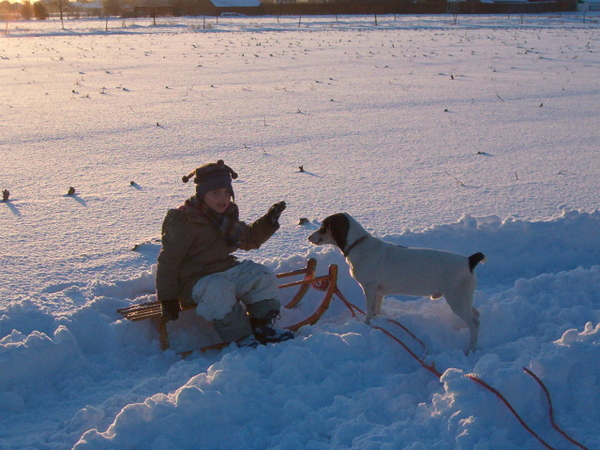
point(156, 8)
point(244, 7)
point(236, 3)
point(588, 6)
point(509, 6)
point(91, 9)
point(153, 8)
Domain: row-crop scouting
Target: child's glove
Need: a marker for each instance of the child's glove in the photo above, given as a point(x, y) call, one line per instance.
point(275, 212)
point(169, 309)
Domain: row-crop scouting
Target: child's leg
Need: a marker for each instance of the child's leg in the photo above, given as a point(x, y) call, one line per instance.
point(257, 289)
point(214, 295)
point(217, 303)
point(234, 326)
point(255, 285)
point(265, 309)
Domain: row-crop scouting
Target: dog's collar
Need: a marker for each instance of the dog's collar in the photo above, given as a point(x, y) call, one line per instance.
point(354, 244)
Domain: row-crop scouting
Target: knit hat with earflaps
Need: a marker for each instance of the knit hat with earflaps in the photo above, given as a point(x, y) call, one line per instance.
point(210, 177)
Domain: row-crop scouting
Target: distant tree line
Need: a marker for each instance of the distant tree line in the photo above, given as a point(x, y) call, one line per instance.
point(43, 9)
point(25, 10)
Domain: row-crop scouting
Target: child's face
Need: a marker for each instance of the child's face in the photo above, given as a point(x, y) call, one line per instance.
point(218, 200)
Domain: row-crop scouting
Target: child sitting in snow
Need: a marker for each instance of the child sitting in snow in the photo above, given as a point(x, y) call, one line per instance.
point(195, 264)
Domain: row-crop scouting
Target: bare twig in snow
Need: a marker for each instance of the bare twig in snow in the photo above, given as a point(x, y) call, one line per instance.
point(457, 180)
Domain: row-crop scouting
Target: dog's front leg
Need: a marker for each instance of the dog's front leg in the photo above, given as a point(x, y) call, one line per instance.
point(370, 291)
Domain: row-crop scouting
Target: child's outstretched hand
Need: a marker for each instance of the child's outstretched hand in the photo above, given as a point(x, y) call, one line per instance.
point(275, 212)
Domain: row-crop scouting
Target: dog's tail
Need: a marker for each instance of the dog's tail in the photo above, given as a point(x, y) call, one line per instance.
point(475, 259)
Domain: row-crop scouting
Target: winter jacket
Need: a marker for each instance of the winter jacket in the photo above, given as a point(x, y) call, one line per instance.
point(192, 247)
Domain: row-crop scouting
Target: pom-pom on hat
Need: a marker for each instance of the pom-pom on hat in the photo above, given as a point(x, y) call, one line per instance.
point(210, 177)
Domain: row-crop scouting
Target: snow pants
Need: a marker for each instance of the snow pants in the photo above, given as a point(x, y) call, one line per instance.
point(231, 298)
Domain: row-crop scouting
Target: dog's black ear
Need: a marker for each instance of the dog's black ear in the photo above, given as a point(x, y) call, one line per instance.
point(338, 226)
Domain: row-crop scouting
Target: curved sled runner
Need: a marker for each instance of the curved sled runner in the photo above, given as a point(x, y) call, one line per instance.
point(326, 283)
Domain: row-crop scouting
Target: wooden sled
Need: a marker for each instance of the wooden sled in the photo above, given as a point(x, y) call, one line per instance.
point(326, 283)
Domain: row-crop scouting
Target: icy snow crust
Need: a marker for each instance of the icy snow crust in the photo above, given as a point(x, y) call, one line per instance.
point(476, 136)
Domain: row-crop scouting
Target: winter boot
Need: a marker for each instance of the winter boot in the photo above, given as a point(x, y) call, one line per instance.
point(265, 332)
point(248, 341)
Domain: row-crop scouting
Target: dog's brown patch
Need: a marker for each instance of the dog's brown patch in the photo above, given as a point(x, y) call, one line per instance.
point(338, 227)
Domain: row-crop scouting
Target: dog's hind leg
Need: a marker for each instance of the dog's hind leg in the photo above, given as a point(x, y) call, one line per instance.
point(461, 305)
point(378, 302)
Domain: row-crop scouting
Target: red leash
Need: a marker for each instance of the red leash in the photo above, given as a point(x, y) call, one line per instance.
point(551, 409)
point(352, 307)
point(431, 368)
point(510, 407)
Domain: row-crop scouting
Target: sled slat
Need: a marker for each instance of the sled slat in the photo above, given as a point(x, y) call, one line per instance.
point(309, 273)
point(144, 311)
point(330, 282)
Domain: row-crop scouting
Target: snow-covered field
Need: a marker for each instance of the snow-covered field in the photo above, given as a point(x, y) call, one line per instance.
point(479, 134)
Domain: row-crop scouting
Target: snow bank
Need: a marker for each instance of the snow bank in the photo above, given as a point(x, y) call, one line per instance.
point(340, 383)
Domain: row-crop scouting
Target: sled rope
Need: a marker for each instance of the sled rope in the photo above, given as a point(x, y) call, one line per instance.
point(551, 409)
point(431, 368)
point(503, 399)
point(353, 309)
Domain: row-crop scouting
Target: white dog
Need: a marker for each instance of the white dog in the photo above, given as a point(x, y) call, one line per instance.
point(384, 269)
